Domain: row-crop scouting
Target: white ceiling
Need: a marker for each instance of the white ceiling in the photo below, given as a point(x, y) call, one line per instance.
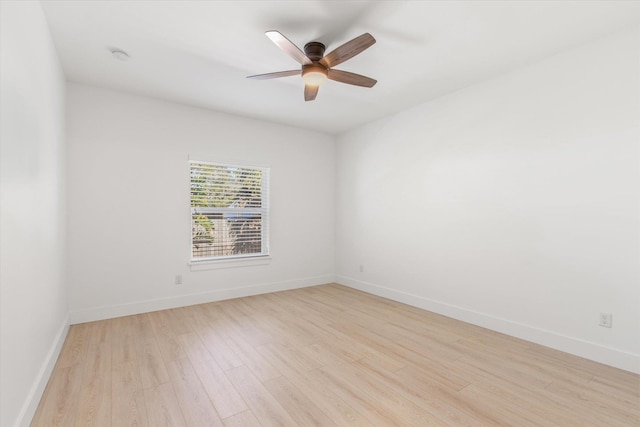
point(199, 52)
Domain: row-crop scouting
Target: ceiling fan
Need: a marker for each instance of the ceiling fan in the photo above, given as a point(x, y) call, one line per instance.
point(318, 67)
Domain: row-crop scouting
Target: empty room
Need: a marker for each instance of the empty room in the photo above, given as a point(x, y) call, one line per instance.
point(319, 213)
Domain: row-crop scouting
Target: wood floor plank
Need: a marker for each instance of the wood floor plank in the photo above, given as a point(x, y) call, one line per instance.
point(128, 404)
point(624, 411)
point(61, 398)
point(505, 368)
point(322, 356)
point(434, 373)
point(286, 357)
point(179, 320)
point(197, 409)
point(367, 348)
point(517, 359)
point(300, 407)
point(165, 336)
point(75, 346)
point(95, 407)
point(620, 389)
point(375, 401)
point(243, 419)
point(315, 388)
point(212, 337)
point(150, 362)
point(162, 406)
point(403, 350)
point(443, 402)
point(223, 394)
point(263, 405)
point(123, 348)
point(250, 357)
point(577, 366)
point(507, 411)
point(518, 401)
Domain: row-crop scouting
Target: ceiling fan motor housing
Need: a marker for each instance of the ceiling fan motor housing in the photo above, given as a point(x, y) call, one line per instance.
point(314, 51)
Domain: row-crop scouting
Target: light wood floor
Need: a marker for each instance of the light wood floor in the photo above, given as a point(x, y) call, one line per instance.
point(322, 356)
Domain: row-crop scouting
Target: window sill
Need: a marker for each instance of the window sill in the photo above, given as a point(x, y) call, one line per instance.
point(215, 264)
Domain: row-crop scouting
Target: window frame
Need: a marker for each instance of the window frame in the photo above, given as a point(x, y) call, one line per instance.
point(236, 260)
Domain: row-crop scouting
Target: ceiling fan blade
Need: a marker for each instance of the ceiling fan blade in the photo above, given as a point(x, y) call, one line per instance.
point(275, 75)
point(310, 92)
point(288, 47)
point(348, 50)
point(351, 78)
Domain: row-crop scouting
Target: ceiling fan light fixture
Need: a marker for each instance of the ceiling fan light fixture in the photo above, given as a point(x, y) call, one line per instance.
point(314, 75)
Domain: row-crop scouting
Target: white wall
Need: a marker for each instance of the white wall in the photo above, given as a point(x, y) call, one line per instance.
point(33, 293)
point(129, 202)
point(512, 204)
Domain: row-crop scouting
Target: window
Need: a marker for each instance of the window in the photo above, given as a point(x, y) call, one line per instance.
point(229, 211)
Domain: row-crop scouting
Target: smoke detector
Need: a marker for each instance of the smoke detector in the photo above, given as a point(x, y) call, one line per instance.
point(120, 55)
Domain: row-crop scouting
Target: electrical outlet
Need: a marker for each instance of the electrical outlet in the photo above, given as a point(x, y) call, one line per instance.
point(178, 280)
point(606, 320)
point(361, 268)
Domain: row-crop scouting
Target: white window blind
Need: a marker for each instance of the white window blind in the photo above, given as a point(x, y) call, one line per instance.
point(229, 211)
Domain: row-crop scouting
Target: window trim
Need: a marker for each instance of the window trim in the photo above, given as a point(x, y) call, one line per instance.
point(228, 262)
point(240, 260)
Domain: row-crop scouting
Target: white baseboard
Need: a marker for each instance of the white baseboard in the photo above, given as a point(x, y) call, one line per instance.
point(35, 394)
point(137, 307)
point(588, 350)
